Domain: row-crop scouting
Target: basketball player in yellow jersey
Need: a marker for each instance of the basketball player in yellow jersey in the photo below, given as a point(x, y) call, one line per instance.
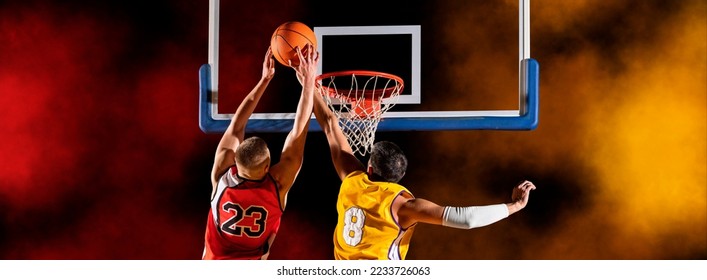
point(376, 215)
point(364, 206)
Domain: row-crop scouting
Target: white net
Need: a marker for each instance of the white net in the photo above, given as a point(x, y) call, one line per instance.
point(359, 99)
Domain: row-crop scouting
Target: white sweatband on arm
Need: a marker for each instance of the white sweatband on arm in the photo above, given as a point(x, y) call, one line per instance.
point(473, 216)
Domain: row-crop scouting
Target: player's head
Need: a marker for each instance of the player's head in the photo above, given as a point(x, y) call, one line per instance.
point(253, 156)
point(387, 161)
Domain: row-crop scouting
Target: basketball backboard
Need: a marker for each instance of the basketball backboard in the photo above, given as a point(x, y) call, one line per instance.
point(397, 45)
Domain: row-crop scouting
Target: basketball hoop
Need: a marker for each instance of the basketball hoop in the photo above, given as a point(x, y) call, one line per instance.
point(359, 99)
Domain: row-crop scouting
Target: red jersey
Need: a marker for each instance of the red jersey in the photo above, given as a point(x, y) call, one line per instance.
point(244, 214)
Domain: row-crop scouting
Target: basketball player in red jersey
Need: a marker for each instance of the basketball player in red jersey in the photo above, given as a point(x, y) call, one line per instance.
point(248, 194)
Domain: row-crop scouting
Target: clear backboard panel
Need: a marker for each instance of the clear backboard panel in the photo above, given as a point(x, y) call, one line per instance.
point(410, 45)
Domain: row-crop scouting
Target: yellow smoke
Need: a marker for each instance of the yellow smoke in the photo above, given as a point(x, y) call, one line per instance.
point(651, 150)
point(633, 114)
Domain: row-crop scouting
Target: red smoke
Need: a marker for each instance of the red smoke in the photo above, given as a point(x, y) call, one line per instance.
point(91, 144)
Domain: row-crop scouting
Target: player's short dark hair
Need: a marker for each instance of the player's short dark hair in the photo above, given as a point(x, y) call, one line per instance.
point(252, 152)
point(388, 161)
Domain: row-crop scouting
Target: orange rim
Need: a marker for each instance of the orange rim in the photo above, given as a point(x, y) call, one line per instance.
point(367, 94)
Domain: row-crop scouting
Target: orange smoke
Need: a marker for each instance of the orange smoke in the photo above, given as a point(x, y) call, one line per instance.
point(619, 155)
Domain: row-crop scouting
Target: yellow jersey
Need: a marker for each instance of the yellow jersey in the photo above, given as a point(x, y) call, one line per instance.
point(366, 228)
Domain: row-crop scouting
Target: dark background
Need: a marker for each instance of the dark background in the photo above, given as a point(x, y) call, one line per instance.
point(103, 158)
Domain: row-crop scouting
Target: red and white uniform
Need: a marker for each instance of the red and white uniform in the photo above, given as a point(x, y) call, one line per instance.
point(244, 214)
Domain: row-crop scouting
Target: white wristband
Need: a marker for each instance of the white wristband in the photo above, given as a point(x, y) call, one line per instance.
point(473, 216)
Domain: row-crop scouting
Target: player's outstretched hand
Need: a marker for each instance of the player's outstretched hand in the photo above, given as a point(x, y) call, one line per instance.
point(521, 194)
point(308, 60)
point(268, 65)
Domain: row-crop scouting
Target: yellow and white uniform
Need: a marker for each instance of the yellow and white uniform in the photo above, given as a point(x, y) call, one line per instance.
point(366, 228)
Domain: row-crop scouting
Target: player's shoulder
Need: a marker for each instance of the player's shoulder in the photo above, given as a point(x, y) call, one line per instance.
point(356, 173)
point(283, 176)
point(280, 170)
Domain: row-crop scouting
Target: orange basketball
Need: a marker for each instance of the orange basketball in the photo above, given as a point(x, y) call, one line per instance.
point(286, 37)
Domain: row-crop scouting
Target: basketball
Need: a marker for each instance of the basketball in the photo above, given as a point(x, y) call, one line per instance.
point(286, 37)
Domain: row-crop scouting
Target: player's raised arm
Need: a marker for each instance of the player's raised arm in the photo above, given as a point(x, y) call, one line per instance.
point(288, 167)
point(341, 153)
point(235, 132)
point(422, 210)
